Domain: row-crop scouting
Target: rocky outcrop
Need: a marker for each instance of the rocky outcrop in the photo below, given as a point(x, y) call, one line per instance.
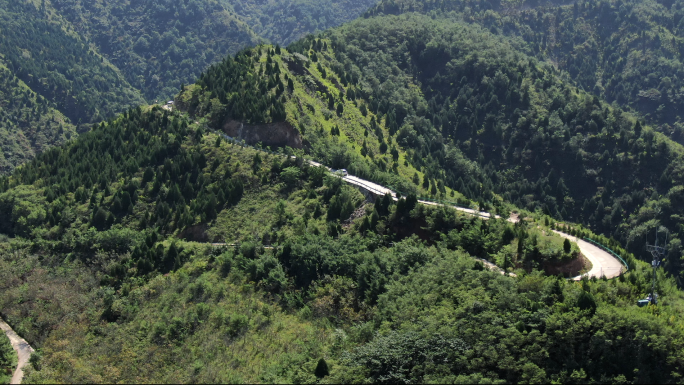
point(279, 134)
point(568, 268)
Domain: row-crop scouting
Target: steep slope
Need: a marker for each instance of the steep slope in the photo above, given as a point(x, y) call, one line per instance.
point(159, 45)
point(284, 21)
point(52, 82)
point(39, 48)
point(628, 52)
point(273, 91)
point(304, 293)
point(457, 93)
point(92, 60)
point(459, 108)
point(29, 123)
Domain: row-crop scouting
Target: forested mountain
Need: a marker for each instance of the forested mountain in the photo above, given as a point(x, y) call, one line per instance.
point(157, 247)
point(92, 60)
point(42, 51)
point(159, 45)
point(285, 21)
point(29, 123)
point(51, 81)
point(312, 292)
point(456, 94)
point(458, 108)
point(626, 51)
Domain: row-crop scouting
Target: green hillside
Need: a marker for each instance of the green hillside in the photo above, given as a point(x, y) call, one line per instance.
point(39, 48)
point(268, 85)
point(468, 108)
point(282, 22)
point(51, 82)
point(160, 44)
point(451, 106)
point(196, 242)
point(29, 123)
point(92, 60)
point(8, 359)
point(109, 268)
point(628, 52)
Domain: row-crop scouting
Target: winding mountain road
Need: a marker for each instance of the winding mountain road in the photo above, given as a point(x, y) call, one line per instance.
point(22, 348)
point(603, 263)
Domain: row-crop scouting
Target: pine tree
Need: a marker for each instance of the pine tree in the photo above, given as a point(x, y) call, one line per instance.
point(99, 220)
point(322, 369)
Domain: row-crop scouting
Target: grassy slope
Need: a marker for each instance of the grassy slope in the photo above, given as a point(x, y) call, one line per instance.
point(307, 110)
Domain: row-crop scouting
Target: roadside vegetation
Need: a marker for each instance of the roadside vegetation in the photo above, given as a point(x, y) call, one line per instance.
point(8, 359)
point(155, 247)
point(310, 281)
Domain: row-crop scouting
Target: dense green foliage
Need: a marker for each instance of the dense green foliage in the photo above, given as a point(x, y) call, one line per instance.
point(486, 118)
point(447, 322)
point(480, 117)
point(311, 101)
point(8, 359)
point(283, 22)
point(120, 176)
point(112, 215)
point(625, 51)
point(107, 264)
point(158, 45)
point(239, 93)
point(29, 123)
point(92, 60)
point(60, 66)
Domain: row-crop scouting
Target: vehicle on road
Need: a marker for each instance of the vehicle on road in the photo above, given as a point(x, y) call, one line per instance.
point(341, 172)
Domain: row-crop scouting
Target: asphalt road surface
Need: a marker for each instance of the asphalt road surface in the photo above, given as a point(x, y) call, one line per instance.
point(603, 263)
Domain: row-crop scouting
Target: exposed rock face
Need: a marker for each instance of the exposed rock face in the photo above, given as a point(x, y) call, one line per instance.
point(196, 233)
point(279, 134)
point(568, 269)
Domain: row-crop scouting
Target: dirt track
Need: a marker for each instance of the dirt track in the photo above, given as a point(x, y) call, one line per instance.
point(22, 348)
